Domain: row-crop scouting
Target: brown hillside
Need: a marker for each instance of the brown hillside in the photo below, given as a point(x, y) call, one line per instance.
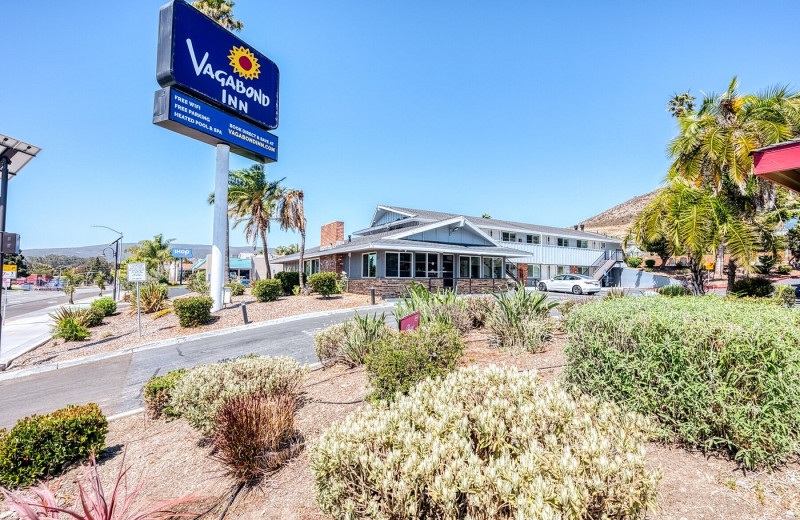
point(616, 221)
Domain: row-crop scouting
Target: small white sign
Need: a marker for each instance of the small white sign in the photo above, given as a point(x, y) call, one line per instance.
point(137, 272)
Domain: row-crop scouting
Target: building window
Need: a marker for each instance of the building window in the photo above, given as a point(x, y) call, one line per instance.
point(563, 242)
point(398, 265)
point(469, 267)
point(532, 239)
point(311, 267)
point(562, 269)
point(368, 265)
point(509, 237)
point(426, 265)
point(602, 245)
point(492, 267)
point(534, 271)
point(583, 244)
point(583, 270)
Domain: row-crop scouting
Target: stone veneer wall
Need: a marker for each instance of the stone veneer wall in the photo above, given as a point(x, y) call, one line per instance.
point(392, 287)
point(331, 263)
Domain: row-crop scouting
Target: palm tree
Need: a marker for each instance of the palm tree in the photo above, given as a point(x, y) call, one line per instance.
point(221, 11)
point(681, 104)
point(254, 201)
point(292, 216)
point(73, 279)
point(695, 222)
point(154, 253)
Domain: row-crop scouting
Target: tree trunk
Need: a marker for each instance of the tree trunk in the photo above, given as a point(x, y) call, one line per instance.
point(664, 260)
point(731, 274)
point(266, 253)
point(302, 252)
point(718, 271)
point(696, 266)
point(227, 275)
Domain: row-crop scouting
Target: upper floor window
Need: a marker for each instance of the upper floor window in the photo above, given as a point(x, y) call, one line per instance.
point(368, 265)
point(563, 242)
point(583, 244)
point(509, 237)
point(532, 239)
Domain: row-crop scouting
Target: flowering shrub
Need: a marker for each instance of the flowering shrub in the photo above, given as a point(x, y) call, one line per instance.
point(485, 444)
point(198, 394)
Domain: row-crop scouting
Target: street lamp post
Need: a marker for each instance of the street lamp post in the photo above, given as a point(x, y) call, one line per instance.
point(116, 257)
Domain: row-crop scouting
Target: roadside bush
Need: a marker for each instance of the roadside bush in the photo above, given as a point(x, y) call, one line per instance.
point(401, 360)
point(566, 306)
point(478, 307)
point(784, 269)
point(198, 284)
point(634, 261)
point(153, 298)
point(443, 307)
point(70, 329)
point(674, 290)
point(158, 391)
point(649, 263)
point(765, 264)
point(718, 374)
point(193, 311)
point(198, 395)
point(324, 283)
point(266, 290)
point(757, 287)
point(485, 444)
point(107, 305)
point(349, 343)
point(41, 445)
point(93, 317)
point(254, 435)
point(784, 295)
point(237, 289)
point(288, 280)
point(328, 345)
point(521, 319)
point(616, 293)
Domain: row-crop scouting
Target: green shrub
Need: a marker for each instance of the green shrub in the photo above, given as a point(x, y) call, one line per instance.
point(634, 261)
point(443, 307)
point(328, 345)
point(756, 287)
point(485, 444)
point(650, 263)
point(237, 289)
point(718, 374)
point(674, 290)
point(401, 360)
point(521, 319)
point(157, 392)
point(349, 343)
point(324, 283)
point(198, 284)
point(70, 329)
point(193, 311)
point(267, 290)
point(765, 264)
point(41, 445)
point(784, 295)
point(93, 317)
point(784, 269)
point(198, 395)
point(288, 280)
point(107, 305)
point(296, 290)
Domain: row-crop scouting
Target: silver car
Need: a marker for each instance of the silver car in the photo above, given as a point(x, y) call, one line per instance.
point(574, 283)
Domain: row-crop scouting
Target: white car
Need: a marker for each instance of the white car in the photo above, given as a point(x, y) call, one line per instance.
point(574, 283)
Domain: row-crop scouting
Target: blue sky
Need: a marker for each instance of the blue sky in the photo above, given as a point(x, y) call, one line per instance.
point(531, 111)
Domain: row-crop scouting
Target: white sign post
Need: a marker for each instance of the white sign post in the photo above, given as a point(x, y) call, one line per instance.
point(137, 272)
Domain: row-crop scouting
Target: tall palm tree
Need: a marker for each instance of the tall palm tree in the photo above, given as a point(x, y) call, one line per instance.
point(254, 201)
point(154, 253)
point(695, 221)
point(292, 216)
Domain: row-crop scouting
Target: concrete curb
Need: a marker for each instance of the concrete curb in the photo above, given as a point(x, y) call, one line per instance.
point(181, 340)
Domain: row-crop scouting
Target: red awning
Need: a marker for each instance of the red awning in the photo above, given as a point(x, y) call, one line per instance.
point(779, 163)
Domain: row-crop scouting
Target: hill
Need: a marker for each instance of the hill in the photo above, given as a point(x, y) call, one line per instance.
point(616, 221)
point(198, 250)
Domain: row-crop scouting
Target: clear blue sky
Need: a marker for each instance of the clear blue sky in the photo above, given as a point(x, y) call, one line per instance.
point(544, 112)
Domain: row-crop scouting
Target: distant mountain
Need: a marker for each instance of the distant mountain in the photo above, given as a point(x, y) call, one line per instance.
point(616, 221)
point(198, 250)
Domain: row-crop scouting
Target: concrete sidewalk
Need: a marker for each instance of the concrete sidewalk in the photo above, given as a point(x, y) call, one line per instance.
point(24, 333)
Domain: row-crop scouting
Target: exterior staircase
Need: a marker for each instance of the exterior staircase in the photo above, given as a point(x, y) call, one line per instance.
point(605, 262)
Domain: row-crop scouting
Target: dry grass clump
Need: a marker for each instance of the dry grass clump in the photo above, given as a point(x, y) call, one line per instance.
point(486, 444)
point(521, 319)
point(350, 343)
point(478, 308)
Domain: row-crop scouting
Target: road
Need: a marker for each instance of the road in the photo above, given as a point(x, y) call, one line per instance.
point(116, 383)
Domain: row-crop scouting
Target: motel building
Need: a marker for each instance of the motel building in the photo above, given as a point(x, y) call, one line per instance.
point(779, 163)
point(445, 250)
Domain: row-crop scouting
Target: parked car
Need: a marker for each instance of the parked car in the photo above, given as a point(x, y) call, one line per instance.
point(574, 283)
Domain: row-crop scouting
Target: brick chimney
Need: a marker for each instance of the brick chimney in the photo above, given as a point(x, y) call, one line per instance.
point(332, 233)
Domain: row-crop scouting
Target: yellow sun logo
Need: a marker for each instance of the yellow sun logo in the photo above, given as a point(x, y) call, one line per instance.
point(244, 62)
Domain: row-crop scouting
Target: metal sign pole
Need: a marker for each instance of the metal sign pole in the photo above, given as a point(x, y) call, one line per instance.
point(220, 223)
point(3, 200)
point(139, 309)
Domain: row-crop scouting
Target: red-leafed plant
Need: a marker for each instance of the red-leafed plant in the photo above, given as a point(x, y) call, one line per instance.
point(93, 503)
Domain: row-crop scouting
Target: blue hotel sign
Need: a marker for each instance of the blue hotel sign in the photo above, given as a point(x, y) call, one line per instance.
point(191, 117)
point(181, 253)
point(200, 57)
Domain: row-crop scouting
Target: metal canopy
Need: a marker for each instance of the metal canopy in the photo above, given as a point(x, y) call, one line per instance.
point(17, 153)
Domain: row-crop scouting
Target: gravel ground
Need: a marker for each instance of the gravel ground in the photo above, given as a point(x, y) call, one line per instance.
point(119, 331)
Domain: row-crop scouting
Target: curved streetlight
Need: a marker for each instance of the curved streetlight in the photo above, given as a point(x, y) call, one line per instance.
point(116, 256)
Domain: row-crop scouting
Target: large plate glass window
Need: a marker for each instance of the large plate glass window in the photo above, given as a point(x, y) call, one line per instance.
point(311, 267)
point(399, 265)
point(368, 265)
point(492, 267)
point(469, 267)
point(426, 265)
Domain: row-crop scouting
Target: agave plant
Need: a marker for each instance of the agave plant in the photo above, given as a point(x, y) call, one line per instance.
point(93, 503)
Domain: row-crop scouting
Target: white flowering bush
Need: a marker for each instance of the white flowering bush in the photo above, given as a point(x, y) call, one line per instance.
point(200, 393)
point(486, 444)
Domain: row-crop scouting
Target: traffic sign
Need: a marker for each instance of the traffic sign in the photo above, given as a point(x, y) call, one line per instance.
point(137, 272)
point(9, 243)
point(9, 272)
